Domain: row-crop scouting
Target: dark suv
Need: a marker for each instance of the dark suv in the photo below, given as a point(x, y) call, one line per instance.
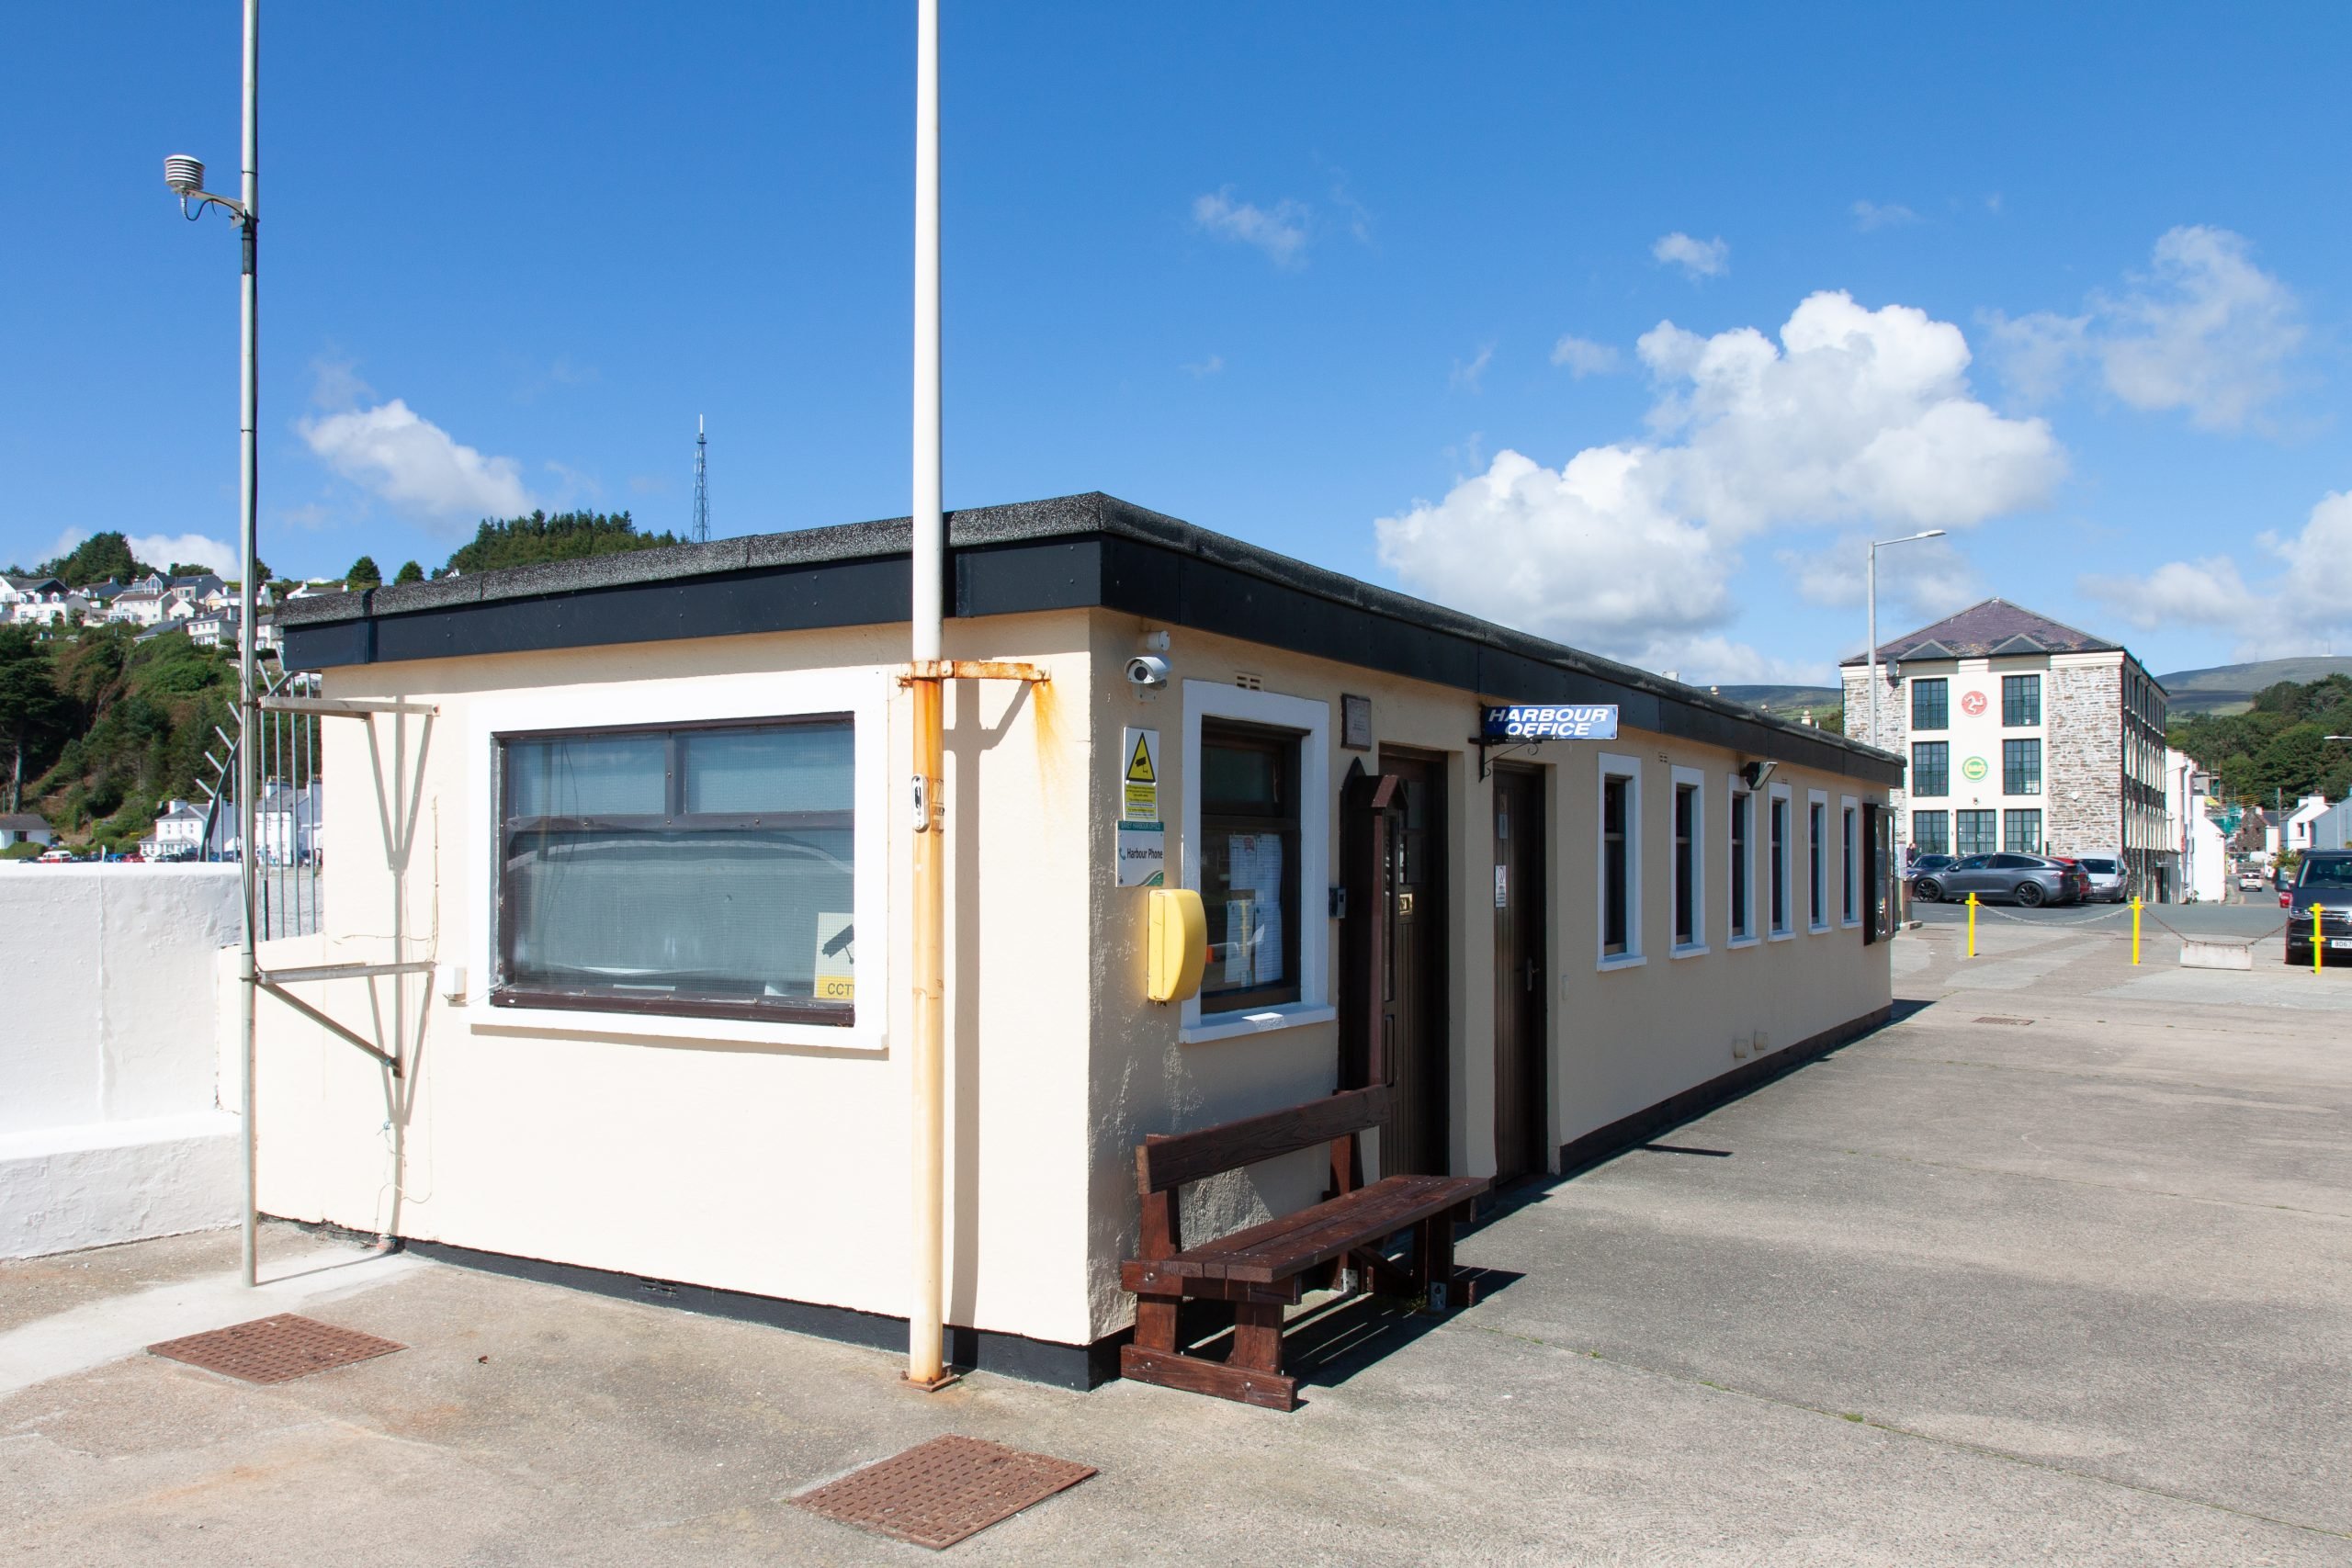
point(2323, 879)
point(2030, 880)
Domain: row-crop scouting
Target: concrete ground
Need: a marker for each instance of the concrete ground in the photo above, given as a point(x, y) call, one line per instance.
point(2073, 1290)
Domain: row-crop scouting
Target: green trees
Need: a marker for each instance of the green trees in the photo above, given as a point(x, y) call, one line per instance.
point(363, 574)
point(32, 714)
point(567, 535)
point(2279, 749)
point(96, 558)
point(410, 572)
point(188, 568)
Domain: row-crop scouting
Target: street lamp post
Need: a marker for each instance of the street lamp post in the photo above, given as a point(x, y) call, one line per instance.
point(186, 177)
point(1876, 546)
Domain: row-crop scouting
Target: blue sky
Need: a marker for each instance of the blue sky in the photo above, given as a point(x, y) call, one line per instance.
point(1625, 324)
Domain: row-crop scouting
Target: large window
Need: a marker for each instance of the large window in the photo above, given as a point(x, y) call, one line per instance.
point(1975, 831)
point(1621, 860)
point(1931, 767)
point(1248, 861)
point(1776, 881)
point(1848, 907)
point(1817, 850)
point(1743, 844)
point(1689, 862)
point(2021, 767)
point(1931, 832)
point(2021, 832)
point(701, 869)
point(2020, 700)
point(1931, 704)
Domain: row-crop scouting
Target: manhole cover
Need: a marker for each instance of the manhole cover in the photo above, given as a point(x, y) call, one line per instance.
point(938, 1493)
point(274, 1349)
point(1990, 1017)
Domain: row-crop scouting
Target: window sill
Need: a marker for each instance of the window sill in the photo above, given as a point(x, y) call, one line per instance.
point(1227, 1026)
point(1849, 925)
point(1821, 930)
point(1739, 942)
point(1622, 961)
point(1782, 936)
point(1699, 951)
point(816, 1038)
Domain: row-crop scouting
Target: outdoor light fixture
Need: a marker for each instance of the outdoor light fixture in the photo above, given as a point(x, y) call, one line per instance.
point(1877, 545)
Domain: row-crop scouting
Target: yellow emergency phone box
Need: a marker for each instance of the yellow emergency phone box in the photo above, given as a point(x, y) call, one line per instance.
point(1177, 949)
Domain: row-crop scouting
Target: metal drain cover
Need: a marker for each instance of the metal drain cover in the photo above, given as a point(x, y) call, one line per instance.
point(1992, 1017)
point(274, 1349)
point(938, 1493)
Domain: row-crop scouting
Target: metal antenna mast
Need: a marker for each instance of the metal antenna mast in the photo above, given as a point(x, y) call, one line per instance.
point(702, 491)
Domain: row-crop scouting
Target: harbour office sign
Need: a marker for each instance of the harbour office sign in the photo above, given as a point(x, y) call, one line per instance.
point(1551, 721)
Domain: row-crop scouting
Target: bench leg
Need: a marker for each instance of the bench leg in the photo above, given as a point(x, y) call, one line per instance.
point(1433, 1263)
point(1257, 1337)
point(1251, 1374)
point(1156, 1322)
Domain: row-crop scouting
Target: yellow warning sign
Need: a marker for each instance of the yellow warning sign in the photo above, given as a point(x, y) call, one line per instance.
point(1140, 792)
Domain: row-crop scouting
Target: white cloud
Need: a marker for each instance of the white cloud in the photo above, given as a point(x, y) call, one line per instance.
point(2204, 331)
point(1583, 358)
point(2304, 606)
point(1920, 581)
point(1280, 231)
point(1465, 375)
point(1630, 548)
point(1203, 367)
point(1696, 258)
point(161, 550)
point(415, 464)
point(1870, 215)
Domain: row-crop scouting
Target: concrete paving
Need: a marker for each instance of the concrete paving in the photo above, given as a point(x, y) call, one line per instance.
point(2072, 1289)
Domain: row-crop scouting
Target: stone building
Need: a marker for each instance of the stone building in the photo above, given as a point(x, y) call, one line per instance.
point(2024, 736)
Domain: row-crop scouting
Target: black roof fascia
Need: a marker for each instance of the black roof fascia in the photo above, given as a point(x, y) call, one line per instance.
point(1075, 552)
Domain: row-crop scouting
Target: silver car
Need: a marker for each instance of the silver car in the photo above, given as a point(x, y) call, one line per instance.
point(2110, 883)
point(2030, 880)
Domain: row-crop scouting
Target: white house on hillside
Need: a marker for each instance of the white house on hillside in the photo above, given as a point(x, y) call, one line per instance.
point(2295, 830)
point(179, 830)
point(24, 828)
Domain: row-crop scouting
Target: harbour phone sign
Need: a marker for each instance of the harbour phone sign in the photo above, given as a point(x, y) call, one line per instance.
point(1552, 721)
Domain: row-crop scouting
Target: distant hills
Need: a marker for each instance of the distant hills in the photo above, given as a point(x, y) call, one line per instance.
point(2230, 688)
point(2222, 689)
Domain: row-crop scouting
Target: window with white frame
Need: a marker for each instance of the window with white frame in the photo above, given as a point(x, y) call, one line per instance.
point(1690, 869)
point(1255, 844)
point(705, 870)
point(1776, 860)
point(1817, 866)
point(1741, 823)
point(1849, 865)
point(1620, 864)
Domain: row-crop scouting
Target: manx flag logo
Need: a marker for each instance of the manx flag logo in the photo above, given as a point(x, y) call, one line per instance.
point(1559, 721)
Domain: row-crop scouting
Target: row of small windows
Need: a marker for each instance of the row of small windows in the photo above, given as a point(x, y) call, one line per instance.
point(2021, 703)
point(2020, 767)
point(1977, 832)
point(1620, 871)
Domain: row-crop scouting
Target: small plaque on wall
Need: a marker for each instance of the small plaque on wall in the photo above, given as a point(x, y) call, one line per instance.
point(1355, 723)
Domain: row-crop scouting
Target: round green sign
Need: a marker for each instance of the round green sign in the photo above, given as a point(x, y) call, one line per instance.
point(1972, 768)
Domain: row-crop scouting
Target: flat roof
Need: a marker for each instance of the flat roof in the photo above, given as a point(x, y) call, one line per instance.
point(1070, 552)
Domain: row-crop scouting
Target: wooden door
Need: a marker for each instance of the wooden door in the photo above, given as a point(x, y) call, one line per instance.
point(1522, 974)
point(1413, 1002)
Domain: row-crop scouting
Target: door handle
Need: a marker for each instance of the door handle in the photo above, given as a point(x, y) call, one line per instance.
point(1533, 969)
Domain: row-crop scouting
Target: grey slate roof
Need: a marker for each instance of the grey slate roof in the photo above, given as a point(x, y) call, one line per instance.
point(1059, 517)
point(23, 822)
point(1993, 626)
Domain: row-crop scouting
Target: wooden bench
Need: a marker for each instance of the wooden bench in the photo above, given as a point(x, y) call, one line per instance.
point(1261, 1269)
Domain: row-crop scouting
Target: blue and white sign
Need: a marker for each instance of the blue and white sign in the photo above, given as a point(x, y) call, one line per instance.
point(1555, 721)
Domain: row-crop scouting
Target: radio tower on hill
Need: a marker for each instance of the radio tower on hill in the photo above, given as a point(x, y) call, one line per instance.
point(701, 489)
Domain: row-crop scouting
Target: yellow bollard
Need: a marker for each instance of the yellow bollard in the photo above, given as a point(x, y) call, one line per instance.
point(2135, 930)
point(1971, 925)
point(2319, 952)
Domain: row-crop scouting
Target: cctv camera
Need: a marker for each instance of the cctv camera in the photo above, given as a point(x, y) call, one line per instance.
point(1146, 671)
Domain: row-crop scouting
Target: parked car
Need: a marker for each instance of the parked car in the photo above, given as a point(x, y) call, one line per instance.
point(2323, 879)
point(1927, 865)
point(2109, 882)
point(2030, 880)
point(58, 856)
point(2250, 881)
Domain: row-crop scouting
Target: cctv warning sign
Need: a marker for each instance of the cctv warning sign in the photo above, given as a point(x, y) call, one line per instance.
point(1139, 800)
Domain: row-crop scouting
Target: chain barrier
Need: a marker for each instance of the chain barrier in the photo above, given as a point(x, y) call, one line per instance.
point(2147, 911)
point(1985, 908)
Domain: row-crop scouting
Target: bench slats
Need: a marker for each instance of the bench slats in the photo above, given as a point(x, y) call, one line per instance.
point(1282, 1248)
point(1165, 1162)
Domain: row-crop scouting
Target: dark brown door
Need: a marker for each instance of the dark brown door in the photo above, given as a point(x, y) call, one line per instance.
point(1521, 974)
point(1413, 1010)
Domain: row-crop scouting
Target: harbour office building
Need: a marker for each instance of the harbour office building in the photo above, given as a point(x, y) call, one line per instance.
point(2026, 735)
point(660, 844)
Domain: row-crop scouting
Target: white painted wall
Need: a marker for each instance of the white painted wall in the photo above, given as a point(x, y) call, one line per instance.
point(109, 1125)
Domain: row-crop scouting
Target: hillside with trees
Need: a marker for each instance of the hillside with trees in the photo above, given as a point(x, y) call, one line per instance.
point(567, 535)
point(2277, 750)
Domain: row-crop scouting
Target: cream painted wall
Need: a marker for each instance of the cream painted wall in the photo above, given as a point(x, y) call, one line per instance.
point(660, 1148)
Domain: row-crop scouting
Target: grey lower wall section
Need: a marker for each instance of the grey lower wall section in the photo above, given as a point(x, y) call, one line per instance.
point(1083, 1366)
